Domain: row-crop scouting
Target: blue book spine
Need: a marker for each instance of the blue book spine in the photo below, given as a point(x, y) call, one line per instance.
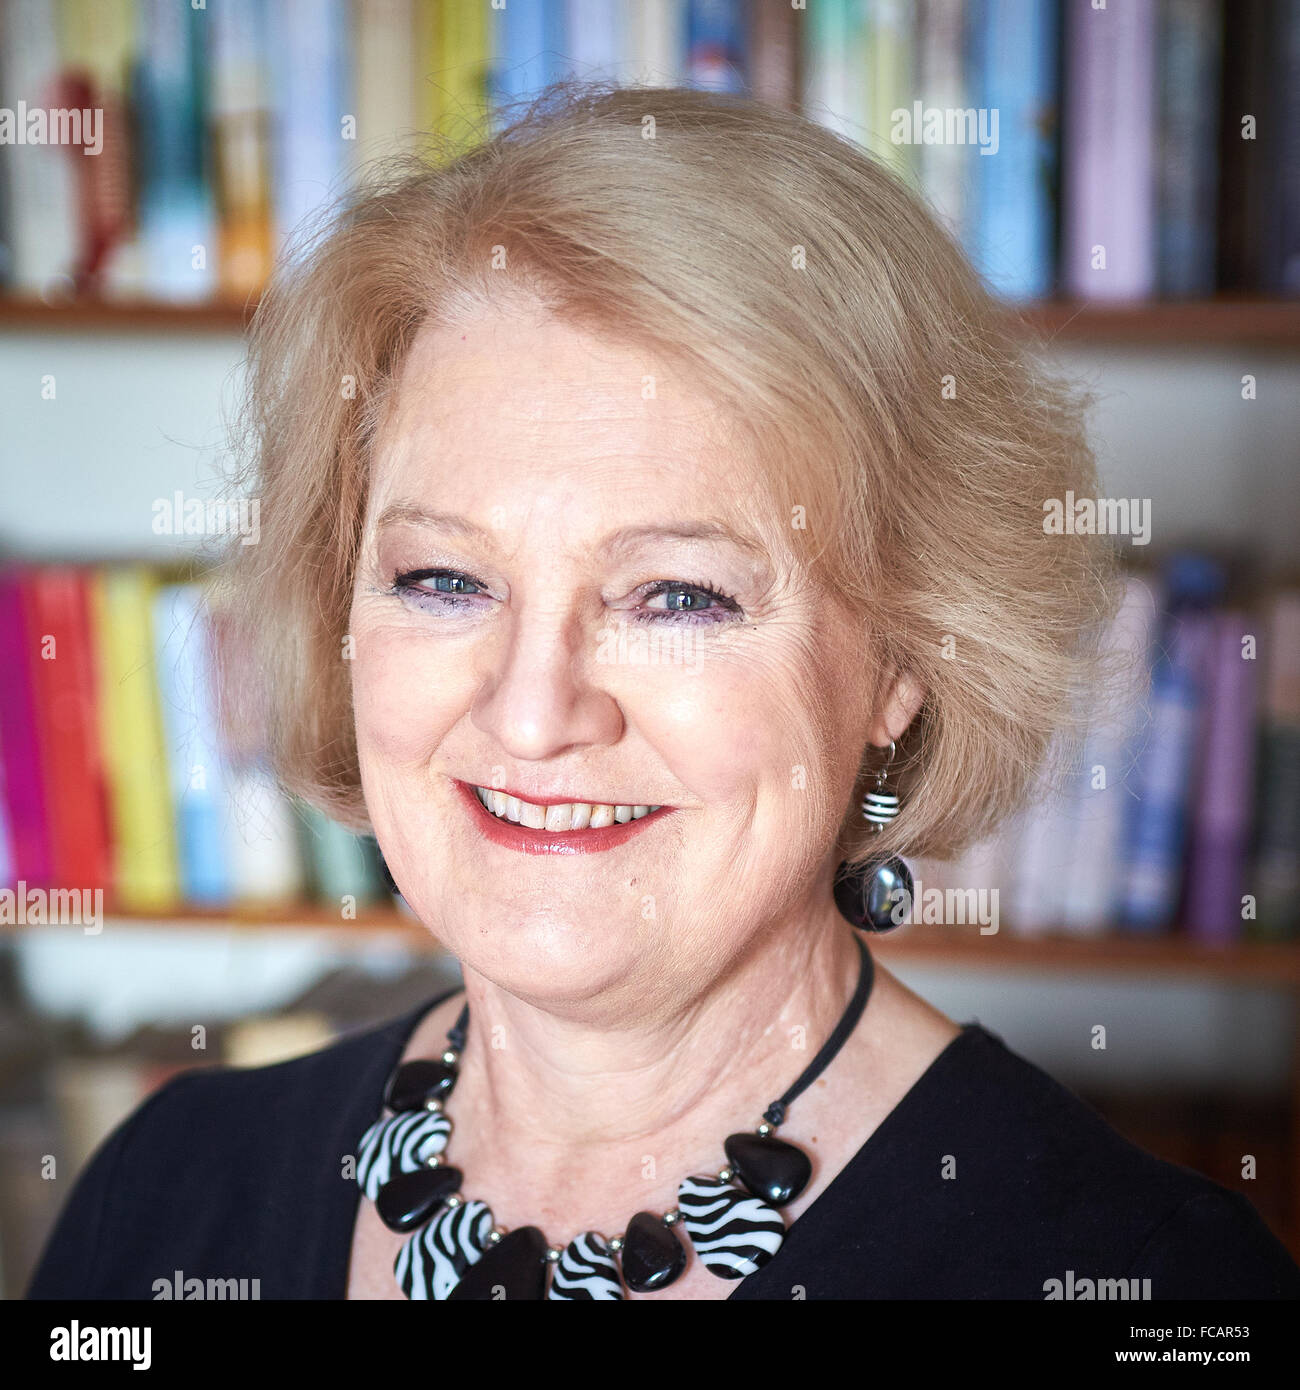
point(1165, 772)
point(187, 696)
point(715, 45)
point(529, 42)
point(1012, 58)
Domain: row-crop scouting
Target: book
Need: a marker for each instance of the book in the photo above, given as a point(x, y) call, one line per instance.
point(1102, 795)
point(1187, 164)
point(40, 183)
point(183, 655)
point(1166, 764)
point(774, 45)
point(654, 34)
point(240, 121)
point(176, 208)
point(145, 872)
point(31, 852)
point(1275, 877)
point(946, 168)
point(715, 45)
point(1011, 228)
point(63, 682)
point(528, 44)
point(1221, 818)
point(310, 101)
point(1108, 194)
point(385, 42)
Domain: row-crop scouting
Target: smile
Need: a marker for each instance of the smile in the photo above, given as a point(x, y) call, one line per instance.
point(556, 827)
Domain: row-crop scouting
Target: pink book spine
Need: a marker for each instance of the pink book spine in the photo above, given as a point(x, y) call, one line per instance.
point(23, 788)
point(1108, 236)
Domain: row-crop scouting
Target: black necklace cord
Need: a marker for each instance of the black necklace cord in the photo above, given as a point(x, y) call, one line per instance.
point(775, 1113)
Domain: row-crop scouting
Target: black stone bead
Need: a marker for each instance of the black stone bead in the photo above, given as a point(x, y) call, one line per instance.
point(515, 1267)
point(870, 898)
point(416, 1082)
point(770, 1168)
point(652, 1256)
point(409, 1199)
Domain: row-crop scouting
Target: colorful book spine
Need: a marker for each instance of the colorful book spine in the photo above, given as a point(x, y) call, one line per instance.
point(1102, 785)
point(1187, 156)
point(1166, 768)
point(187, 697)
point(655, 33)
point(596, 31)
point(344, 867)
point(1216, 865)
point(715, 45)
point(177, 211)
point(890, 81)
point(1108, 234)
point(40, 182)
point(384, 45)
point(1011, 233)
point(946, 167)
point(834, 70)
point(774, 47)
point(25, 787)
point(464, 36)
point(1275, 880)
point(63, 681)
point(528, 45)
point(241, 142)
point(309, 103)
point(145, 871)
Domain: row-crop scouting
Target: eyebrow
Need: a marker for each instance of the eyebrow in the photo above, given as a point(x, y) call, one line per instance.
point(622, 540)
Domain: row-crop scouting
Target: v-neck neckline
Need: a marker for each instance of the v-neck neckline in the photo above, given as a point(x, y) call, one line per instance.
point(354, 1119)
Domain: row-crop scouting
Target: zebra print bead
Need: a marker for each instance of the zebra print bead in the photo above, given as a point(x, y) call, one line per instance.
point(399, 1144)
point(879, 808)
point(733, 1233)
point(586, 1271)
point(433, 1261)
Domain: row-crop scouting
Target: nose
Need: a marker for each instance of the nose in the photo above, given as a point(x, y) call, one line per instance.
point(538, 696)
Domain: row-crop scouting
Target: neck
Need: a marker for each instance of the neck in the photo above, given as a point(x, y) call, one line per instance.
point(695, 1069)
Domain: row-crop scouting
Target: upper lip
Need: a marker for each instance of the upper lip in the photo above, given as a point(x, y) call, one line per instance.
point(537, 799)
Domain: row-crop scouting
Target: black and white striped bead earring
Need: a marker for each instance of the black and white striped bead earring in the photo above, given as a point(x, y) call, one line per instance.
point(877, 896)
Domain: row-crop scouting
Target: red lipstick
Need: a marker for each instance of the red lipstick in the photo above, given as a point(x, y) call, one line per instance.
point(528, 841)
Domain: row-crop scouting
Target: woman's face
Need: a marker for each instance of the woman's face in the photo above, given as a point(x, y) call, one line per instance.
point(572, 590)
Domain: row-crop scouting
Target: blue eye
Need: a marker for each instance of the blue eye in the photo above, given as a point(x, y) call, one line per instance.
point(689, 602)
point(441, 588)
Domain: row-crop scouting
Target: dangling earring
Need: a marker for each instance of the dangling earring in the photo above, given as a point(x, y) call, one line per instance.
point(870, 897)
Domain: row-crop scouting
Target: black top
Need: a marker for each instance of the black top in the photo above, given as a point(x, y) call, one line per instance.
point(232, 1173)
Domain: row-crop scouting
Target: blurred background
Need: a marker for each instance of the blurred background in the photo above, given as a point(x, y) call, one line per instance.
point(1127, 180)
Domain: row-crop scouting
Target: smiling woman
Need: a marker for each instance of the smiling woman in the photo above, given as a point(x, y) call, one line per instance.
point(667, 365)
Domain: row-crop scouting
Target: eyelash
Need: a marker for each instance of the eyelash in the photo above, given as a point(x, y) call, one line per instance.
point(410, 585)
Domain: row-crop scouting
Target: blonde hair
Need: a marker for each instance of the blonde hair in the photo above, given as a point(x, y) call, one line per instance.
point(893, 401)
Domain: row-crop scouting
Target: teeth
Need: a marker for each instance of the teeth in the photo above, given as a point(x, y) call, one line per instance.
point(579, 815)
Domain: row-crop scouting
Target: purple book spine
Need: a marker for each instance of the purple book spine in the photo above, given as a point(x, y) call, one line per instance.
point(1222, 814)
point(1108, 236)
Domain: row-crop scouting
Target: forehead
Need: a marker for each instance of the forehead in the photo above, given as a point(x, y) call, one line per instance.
point(523, 411)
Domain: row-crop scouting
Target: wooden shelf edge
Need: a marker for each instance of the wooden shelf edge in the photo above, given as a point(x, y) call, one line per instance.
point(1186, 323)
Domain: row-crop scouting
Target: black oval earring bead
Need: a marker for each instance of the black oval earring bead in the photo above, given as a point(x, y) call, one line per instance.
point(875, 898)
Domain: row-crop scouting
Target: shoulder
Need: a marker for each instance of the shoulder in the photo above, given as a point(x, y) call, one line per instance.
point(1075, 1191)
point(992, 1180)
point(213, 1167)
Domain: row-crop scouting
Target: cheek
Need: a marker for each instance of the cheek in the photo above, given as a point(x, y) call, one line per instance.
point(403, 697)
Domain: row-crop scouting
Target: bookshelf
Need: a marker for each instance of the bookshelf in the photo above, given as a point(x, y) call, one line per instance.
point(1171, 323)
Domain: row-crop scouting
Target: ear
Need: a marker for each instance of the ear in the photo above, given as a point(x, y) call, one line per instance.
point(903, 698)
